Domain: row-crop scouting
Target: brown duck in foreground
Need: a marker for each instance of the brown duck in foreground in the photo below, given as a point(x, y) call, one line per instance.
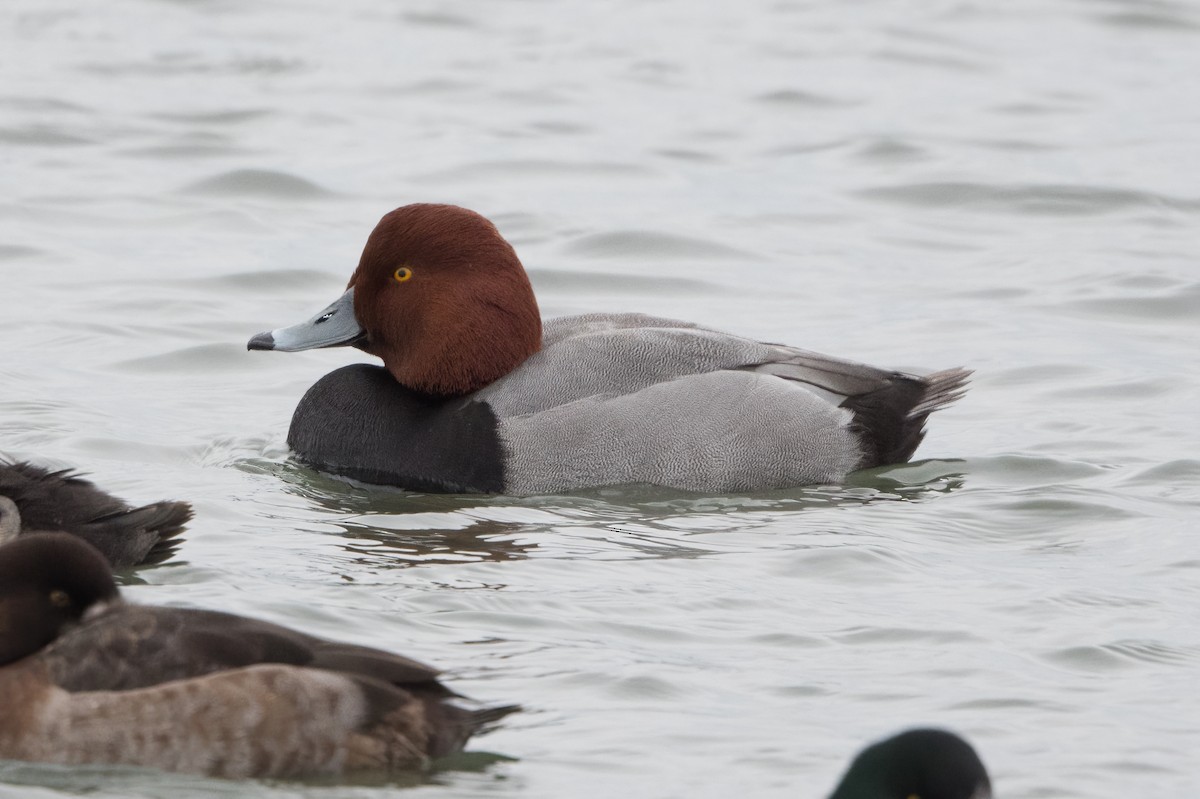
point(89, 678)
point(34, 499)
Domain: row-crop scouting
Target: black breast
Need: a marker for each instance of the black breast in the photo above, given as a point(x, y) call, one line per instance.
point(359, 422)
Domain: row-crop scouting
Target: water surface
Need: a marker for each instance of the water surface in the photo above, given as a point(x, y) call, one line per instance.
point(1005, 187)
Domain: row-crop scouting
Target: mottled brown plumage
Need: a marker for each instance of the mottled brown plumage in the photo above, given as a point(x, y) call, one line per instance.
point(49, 501)
point(88, 678)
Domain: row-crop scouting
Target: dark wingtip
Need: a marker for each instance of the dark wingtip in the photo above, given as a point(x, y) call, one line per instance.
point(261, 341)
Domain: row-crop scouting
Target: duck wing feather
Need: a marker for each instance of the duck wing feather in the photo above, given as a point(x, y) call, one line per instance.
point(126, 647)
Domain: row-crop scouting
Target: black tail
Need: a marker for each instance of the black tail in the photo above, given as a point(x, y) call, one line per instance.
point(485, 720)
point(890, 421)
point(50, 501)
point(165, 520)
point(453, 725)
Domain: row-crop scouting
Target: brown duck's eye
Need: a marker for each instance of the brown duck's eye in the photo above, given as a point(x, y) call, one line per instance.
point(60, 598)
point(402, 274)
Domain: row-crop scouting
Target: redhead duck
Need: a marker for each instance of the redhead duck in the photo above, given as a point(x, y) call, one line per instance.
point(88, 678)
point(922, 763)
point(475, 395)
point(33, 499)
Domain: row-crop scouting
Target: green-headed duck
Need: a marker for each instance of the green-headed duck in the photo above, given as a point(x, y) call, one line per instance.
point(917, 764)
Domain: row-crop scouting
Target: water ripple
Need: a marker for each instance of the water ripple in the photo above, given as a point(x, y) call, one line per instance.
point(1035, 199)
point(231, 116)
point(439, 19)
point(491, 171)
point(577, 281)
point(1162, 20)
point(898, 635)
point(175, 64)
point(42, 136)
point(1120, 655)
point(262, 183)
point(802, 100)
point(628, 244)
point(890, 150)
point(924, 59)
point(17, 251)
point(1179, 305)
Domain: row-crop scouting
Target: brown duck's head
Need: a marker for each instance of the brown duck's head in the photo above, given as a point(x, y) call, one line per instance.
point(439, 295)
point(48, 582)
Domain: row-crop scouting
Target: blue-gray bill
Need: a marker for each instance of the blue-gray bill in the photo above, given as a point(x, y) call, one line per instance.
point(333, 326)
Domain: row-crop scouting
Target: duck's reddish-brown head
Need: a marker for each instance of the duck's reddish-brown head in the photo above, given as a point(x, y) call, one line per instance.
point(444, 300)
point(439, 295)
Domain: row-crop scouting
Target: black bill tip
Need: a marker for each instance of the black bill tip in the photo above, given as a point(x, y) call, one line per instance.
point(261, 341)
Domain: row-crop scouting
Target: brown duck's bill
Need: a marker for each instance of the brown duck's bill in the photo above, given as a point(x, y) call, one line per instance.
point(334, 326)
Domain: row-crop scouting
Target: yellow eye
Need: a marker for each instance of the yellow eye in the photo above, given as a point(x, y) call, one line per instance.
point(402, 274)
point(59, 598)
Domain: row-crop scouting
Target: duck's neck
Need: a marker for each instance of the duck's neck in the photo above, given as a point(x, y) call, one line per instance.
point(458, 357)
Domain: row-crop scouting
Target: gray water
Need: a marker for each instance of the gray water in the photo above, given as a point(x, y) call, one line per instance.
point(1010, 187)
